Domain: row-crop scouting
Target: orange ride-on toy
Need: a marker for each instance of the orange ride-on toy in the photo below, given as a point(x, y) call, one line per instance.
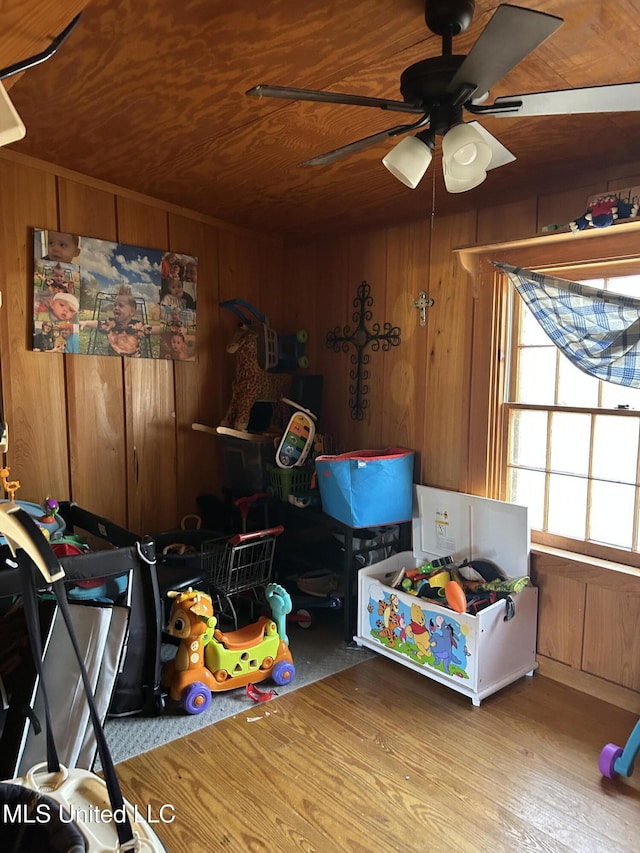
point(209, 660)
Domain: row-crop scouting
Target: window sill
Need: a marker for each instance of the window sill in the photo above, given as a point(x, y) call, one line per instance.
point(585, 561)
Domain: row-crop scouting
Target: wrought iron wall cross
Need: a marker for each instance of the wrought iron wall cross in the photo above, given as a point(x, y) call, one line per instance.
point(379, 337)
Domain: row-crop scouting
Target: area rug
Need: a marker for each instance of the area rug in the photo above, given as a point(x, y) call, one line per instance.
point(318, 651)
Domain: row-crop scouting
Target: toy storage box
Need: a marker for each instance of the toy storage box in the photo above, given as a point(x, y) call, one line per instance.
point(473, 654)
point(367, 488)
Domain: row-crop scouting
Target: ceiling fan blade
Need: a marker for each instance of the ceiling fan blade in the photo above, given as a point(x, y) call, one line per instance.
point(511, 34)
point(365, 142)
point(500, 155)
point(618, 98)
point(289, 94)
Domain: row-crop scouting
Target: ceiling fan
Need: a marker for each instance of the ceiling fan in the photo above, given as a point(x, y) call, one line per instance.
point(439, 89)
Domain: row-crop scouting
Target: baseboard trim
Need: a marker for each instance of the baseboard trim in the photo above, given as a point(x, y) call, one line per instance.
point(622, 697)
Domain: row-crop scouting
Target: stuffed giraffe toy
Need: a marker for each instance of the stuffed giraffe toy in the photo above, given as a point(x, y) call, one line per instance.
point(252, 384)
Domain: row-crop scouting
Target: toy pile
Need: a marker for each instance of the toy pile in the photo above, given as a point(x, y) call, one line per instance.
point(466, 588)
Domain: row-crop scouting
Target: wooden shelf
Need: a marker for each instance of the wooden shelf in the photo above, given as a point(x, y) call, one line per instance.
point(593, 245)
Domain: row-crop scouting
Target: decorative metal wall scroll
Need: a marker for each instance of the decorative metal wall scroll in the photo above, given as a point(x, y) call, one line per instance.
point(379, 337)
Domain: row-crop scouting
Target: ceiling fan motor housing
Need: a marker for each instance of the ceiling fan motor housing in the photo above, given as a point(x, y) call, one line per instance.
point(449, 17)
point(426, 82)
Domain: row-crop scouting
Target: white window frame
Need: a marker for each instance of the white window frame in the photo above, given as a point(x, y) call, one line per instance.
point(584, 271)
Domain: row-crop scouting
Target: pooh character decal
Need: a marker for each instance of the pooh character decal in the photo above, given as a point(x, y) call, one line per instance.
point(426, 637)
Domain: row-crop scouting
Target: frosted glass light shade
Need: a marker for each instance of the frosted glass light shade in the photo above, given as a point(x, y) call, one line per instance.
point(11, 127)
point(453, 185)
point(465, 153)
point(408, 161)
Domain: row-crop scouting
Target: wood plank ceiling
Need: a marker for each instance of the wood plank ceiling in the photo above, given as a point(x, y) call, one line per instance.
point(150, 94)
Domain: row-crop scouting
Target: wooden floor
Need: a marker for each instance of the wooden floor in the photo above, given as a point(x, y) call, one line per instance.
point(378, 758)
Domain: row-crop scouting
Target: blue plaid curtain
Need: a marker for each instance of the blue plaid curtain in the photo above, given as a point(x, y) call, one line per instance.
point(598, 331)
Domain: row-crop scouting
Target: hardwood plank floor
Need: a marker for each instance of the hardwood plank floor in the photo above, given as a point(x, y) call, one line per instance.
point(377, 758)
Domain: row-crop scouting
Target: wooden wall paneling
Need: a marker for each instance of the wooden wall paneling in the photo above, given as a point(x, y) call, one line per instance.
point(447, 391)
point(149, 400)
point(507, 221)
point(612, 636)
point(306, 309)
point(240, 261)
point(95, 384)
point(273, 289)
point(619, 175)
point(402, 414)
point(305, 305)
point(335, 311)
point(563, 207)
point(561, 612)
point(33, 383)
point(304, 298)
point(368, 262)
point(198, 394)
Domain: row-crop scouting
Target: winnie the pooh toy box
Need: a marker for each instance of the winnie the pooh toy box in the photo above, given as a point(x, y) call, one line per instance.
point(487, 639)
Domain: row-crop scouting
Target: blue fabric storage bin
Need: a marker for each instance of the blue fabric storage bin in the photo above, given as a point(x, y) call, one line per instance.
point(367, 488)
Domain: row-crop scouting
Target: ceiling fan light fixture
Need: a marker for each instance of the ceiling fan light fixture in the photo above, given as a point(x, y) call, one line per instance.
point(465, 153)
point(462, 185)
point(408, 161)
point(11, 126)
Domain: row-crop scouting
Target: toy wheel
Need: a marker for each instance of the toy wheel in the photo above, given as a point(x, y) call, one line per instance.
point(267, 663)
point(303, 361)
point(608, 757)
point(303, 618)
point(221, 675)
point(283, 672)
point(196, 698)
point(302, 336)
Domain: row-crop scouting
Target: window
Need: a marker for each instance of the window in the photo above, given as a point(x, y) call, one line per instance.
point(572, 453)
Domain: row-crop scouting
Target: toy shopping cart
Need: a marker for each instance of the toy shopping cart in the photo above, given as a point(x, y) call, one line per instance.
point(236, 565)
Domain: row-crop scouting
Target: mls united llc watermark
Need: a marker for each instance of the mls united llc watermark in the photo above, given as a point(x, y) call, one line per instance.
point(45, 812)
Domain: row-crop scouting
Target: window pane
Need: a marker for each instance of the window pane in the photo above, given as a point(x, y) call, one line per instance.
point(527, 489)
point(615, 448)
point(611, 514)
point(537, 376)
point(528, 439)
point(576, 471)
point(629, 285)
point(570, 441)
point(567, 506)
point(531, 332)
point(576, 388)
point(614, 396)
